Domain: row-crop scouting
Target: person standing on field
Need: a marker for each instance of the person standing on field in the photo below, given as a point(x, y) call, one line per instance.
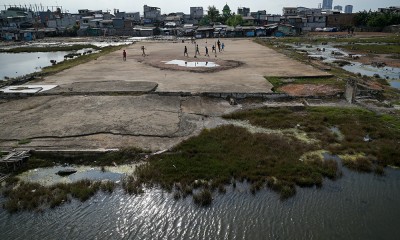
point(143, 52)
point(185, 52)
point(124, 55)
point(207, 52)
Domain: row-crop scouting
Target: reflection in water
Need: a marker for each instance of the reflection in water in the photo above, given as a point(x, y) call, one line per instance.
point(356, 206)
point(192, 64)
point(19, 64)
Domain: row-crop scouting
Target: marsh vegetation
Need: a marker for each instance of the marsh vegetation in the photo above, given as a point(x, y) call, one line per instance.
point(221, 156)
point(205, 165)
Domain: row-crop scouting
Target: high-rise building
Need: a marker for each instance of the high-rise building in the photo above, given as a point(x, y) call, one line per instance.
point(327, 4)
point(338, 8)
point(348, 9)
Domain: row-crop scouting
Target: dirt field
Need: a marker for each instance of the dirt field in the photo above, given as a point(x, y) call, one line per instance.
point(111, 103)
point(256, 61)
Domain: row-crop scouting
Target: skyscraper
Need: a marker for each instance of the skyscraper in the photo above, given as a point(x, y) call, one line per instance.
point(348, 9)
point(327, 4)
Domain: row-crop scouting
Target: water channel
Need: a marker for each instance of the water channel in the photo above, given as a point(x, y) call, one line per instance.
point(355, 206)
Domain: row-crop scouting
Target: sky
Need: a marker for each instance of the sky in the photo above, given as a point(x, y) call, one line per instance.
point(271, 6)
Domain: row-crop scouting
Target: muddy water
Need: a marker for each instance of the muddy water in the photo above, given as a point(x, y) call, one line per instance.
point(392, 74)
point(19, 64)
point(356, 206)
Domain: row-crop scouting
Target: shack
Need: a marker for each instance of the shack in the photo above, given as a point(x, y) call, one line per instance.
point(204, 32)
point(249, 31)
point(260, 32)
point(280, 30)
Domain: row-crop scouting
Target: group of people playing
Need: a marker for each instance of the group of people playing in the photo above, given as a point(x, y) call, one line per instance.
point(220, 46)
point(143, 53)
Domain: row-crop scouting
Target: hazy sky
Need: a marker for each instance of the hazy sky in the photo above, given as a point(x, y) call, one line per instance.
point(167, 6)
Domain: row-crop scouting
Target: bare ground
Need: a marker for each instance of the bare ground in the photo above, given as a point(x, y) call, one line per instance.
point(110, 103)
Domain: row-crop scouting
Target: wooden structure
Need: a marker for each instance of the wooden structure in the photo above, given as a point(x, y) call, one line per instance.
point(14, 158)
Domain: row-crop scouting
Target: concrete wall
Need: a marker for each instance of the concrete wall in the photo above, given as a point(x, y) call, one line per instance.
point(351, 89)
point(340, 20)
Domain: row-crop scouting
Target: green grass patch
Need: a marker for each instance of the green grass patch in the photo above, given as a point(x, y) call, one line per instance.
point(123, 156)
point(373, 48)
point(354, 124)
point(22, 196)
point(50, 48)
point(215, 157)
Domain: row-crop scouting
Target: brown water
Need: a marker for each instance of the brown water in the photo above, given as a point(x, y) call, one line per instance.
point(356, 206)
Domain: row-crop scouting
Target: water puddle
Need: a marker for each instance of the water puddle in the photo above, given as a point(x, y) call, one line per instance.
point(19, 64)
point(330, 54)
point(49, 176)
point(183, 63)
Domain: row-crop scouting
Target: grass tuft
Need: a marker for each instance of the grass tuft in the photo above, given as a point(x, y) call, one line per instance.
point(203, 198)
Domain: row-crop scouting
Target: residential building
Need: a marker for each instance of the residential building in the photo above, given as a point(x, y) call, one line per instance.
point(134, 16)
point(85, 21)
point(152, 13)
point(272, 19)
point(389, 10)
point(196, 13)
point(67, 21)
point(172, 21)
point(327, 4)
point(243, 11)
point(248, 21)
point(16, 17)
point(314, 21)
point(260, 17)
point(289, 11)
point(308, 11)
point(348, 9)
point(340, 21)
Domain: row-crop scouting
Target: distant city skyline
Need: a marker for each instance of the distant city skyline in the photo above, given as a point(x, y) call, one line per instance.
point(73, 6)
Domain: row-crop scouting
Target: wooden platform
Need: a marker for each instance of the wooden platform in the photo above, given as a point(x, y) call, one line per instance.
point(14, 158)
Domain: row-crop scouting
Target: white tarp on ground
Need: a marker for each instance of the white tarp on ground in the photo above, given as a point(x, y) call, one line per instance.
point(27, 88)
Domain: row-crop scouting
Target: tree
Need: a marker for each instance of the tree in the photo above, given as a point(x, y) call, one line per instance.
point(234, 20)
point(213, 13)
point(204, 21)
point(376, 19)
